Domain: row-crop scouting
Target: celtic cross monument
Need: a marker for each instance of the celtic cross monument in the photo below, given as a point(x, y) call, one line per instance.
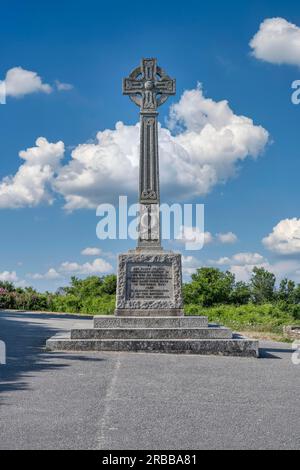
point(149, 279)
point(149, 312)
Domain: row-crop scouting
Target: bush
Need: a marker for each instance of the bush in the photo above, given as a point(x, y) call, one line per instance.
point(262, 286)
point(7, 299)
point(66, 303)
point(102, 305)
point(267, 317)
point(209, 286)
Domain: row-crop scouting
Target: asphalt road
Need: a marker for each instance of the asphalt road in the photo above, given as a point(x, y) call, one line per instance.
point(141, 401)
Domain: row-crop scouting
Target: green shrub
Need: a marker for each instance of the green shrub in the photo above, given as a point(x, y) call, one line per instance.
point(100, 305)
point(66, 303)
point(267, 317)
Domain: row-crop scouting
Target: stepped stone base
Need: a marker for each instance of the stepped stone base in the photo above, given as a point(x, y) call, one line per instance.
point(229, 347)
point(152, 333)
point(178, 335)
point(102, 321)
point(171, 312)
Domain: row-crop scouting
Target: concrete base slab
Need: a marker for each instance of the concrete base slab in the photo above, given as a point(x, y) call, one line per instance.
point(142, 312)
point(109, 321)
point(222, 347)
point(151, 333)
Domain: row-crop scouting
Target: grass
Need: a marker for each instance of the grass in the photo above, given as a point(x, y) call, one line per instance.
point(259, 321)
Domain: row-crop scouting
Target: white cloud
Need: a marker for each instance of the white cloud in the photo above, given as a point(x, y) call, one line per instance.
point(277, 42)
point(7, 276)
point(210, 143)
point(20, 82)
point(189, 265)
point(285, 238)
point(288, 268)
point(241, 259)
point(193, 237)
point(243, 273)
point(242, 265)
point(98, 266)
point(91, 252)
point(227, 238)
point(51, 274)
point(31, 185)
point(63, 86)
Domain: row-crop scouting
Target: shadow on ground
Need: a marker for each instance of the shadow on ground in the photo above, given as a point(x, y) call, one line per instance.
point(267, 353)
point(25, 337)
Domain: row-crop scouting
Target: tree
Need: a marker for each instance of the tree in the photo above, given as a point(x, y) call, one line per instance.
point(241, 294)
point(92, 286)
point(262, 286)
point(8, 286)
point(109, 284)
point(286, 291)
point(297, 294)
point(209, 286)
point(82, 288)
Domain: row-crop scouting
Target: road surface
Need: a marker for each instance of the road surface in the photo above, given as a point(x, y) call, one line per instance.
point(141, 401)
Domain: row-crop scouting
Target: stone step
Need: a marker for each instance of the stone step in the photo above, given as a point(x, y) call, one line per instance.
point(152, 333)
point(223, 347)
point(149, 322)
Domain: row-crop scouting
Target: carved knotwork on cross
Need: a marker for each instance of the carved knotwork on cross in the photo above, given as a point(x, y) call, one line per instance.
point(148, 86)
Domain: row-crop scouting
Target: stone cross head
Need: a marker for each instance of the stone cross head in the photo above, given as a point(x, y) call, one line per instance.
point(148, 86)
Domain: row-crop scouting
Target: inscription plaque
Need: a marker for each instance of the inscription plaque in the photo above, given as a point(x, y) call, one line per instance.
point(150, 281)
point(149, 284)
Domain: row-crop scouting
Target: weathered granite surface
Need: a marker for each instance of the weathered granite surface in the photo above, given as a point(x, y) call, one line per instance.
point(109, 321)
point(179, 335)
point(224, 347)
point(149, 284)
point(151, 333)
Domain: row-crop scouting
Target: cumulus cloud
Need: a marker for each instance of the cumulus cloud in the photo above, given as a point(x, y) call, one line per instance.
point(31, 185)
point(242, 265)
point(7, 276)
point(63, 86)
point(51, 274)
point(193, 237)
point(189, 265)
point(20, 82)
point(208, 144)
point(98, 266)
point(241, 259)
point(285, 237)
point(277, 42)
point(91, 252)
point(227, 238)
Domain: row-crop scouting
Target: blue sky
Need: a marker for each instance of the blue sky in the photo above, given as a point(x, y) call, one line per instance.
point(91, 46)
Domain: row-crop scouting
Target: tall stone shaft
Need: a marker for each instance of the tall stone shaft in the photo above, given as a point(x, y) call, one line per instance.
point(148, 86)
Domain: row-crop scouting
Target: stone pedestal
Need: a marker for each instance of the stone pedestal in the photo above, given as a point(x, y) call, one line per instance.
point(149, 284)
point(171, 335)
